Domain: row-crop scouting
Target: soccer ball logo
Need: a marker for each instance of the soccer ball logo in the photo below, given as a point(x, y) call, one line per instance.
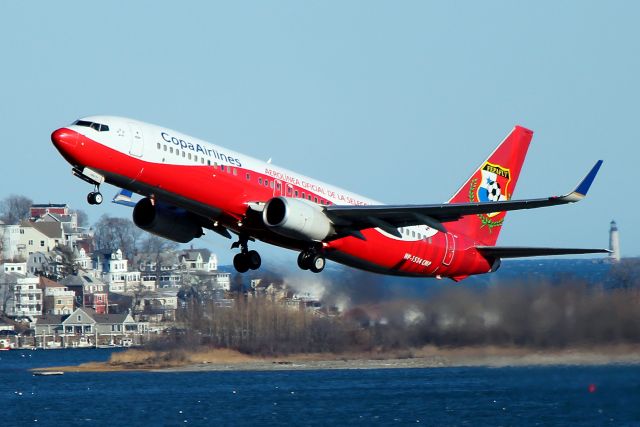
point(493, 191)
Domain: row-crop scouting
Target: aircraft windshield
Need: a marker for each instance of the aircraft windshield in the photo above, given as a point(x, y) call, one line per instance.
point(96, 126)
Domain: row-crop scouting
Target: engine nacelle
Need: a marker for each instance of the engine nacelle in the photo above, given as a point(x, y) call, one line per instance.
point(297, 219)
point(166, 221)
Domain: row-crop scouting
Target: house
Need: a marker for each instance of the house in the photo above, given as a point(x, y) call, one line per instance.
point(157, 307)
point(39, 210)
point(9, 241)
point(39, 237)
point(163, 270)
point(15, 267)
point(89, 292)
point(55, 263)
point(20, 296)
point(84, 325)
point(58, 299)
point(114, 270)
point(193, 260)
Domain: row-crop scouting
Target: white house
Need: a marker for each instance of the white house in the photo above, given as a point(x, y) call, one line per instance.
point(9, 241)
point(39, 237)
point(15, 267)
point(115, 272)
point(24, 299)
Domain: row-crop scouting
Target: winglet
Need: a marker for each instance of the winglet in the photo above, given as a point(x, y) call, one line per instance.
point(583, 187)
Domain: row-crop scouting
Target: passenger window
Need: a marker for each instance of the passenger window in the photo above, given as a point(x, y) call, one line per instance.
point(309, 197)
point(171, 150)
point(260, 181)
point(189, 156)
point(266, 182)
point(272, 184)
point(315, 199)
point(202, 160)
point(195, 158)
point(184, 154)
point(248, 176)
point(288, 191)
point(302, 194)
point(222, 168)
point(165, 147)
point(159, 145)
point(296, 193)
point(235, 171)
point(208, 162)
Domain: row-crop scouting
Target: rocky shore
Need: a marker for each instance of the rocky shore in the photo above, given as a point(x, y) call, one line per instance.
point(426, 357)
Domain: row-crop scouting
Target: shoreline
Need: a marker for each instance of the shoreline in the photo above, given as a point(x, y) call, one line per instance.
point(428, 357)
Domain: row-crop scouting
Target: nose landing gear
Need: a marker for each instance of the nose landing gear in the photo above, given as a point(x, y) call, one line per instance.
point(95, 197)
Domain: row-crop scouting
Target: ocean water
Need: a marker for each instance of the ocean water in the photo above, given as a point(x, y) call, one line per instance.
point(595, 395)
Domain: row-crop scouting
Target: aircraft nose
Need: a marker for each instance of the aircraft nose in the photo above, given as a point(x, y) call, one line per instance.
point(64, 139)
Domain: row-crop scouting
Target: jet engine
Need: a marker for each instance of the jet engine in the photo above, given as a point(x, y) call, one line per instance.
point(297, 219)
point(166, 221)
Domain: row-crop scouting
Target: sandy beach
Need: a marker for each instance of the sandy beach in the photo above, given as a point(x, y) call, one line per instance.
point(426, 357)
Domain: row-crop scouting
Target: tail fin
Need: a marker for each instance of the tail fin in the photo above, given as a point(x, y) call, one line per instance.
point(494, 180)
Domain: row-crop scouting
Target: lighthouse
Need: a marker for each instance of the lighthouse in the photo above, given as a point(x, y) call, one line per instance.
point(614, 242)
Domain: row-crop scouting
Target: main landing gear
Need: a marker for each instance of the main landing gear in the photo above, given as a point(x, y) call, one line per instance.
point(311, 260)
point(246, 260)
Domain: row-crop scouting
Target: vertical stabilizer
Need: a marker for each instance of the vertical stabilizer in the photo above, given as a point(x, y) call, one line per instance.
point(493, 181)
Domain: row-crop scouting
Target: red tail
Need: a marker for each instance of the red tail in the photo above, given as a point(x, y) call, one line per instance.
point(494, 180)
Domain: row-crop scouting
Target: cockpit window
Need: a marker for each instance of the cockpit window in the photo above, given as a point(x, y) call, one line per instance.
point(95, 126)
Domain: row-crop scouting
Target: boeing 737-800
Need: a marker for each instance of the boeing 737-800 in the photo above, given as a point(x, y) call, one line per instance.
point(189, 185)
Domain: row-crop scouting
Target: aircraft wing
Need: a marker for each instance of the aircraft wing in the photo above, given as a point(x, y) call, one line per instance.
point(523, 251)
point(350, 219)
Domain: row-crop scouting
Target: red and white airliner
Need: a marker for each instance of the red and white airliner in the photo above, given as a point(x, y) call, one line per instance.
point(189, 185)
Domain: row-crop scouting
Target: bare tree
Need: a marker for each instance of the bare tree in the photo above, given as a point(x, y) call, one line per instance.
point(157, 246)
point(15, 208)
point(112, 233)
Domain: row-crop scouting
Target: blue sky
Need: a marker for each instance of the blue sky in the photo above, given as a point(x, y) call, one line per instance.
point(398, 101)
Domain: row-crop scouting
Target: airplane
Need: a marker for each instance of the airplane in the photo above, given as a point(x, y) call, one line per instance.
point(188, 185)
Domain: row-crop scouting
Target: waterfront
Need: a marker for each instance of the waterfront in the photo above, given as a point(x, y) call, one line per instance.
point(443, 396)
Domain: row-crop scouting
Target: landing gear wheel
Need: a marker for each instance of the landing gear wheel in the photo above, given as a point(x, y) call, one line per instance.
point(253, 260)
point(94, 198)
point(317, 263)
point(303, 260)
point(240, 263)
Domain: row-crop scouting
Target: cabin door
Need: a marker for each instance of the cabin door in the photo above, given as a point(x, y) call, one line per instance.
point(450, 249)
point(137, 140)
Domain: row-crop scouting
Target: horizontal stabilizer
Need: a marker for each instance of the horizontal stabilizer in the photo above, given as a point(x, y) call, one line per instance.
point(523, 251)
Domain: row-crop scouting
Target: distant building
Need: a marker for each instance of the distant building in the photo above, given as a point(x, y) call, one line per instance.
point(614, 242)
point(23, 297)
point(89, 292)
point(39, 210)
point(58, 299)
point(84, 325)
point(115, 272)
point(15, 267)
point(39, 237)
point(9, 241)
